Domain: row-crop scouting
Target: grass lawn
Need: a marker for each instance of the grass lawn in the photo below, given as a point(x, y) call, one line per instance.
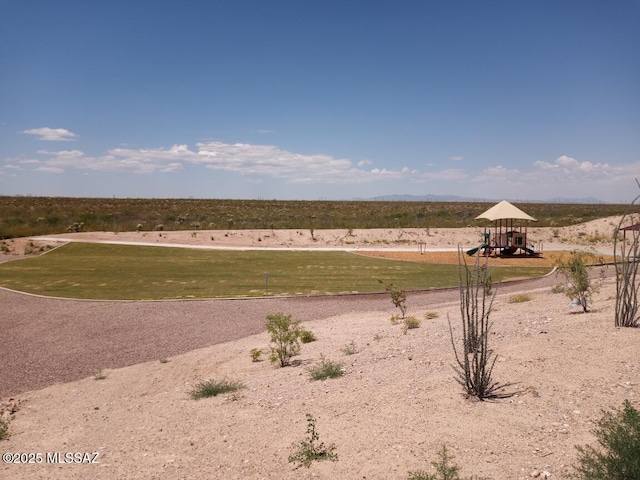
point(124, 272)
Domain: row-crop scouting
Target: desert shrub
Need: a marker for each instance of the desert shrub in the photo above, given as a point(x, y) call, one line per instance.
point(285, 338)
point(431, 315)
point(398, 297)
point(445, 469)
point(325, 369)
point(411, 322)
point(350, 348)
point(310, 449)
point(307, 336)
point(475, 360)
point(255, 354)
point(618, 457)
point(578, 286)
point(213, 388)
point(4, 428)
point(520, 298)
point(557, 289)
point(395, 319)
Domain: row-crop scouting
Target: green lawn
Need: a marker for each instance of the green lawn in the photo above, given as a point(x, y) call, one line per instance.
point(84, 270)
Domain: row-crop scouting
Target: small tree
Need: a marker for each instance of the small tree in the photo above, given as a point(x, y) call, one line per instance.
point(578, 286)
point(398, 296)
point(475, 361)
point(619, 455)
point(285, 338)
point(626, 254)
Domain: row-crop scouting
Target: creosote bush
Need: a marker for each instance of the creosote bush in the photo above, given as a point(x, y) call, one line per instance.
point(213, 388)
point(311, 449)
point(285, 338)
point(618, 457)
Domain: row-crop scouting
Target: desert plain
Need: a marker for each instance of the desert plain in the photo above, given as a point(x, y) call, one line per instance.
point(112, 379)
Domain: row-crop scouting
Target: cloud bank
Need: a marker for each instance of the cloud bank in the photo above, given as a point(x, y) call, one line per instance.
point(564, 176)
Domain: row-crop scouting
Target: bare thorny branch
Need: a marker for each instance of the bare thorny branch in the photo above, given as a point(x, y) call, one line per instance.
point(627, 258)
point(475, 361)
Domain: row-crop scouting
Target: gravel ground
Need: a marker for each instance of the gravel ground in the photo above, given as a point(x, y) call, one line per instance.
point(48, 341)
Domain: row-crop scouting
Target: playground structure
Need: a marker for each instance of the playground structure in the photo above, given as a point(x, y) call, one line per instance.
point(504, 238)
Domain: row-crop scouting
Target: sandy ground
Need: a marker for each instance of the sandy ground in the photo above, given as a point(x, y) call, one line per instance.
point(396, 404)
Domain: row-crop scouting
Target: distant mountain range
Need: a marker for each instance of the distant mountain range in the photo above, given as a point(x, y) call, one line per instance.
point(457, 198)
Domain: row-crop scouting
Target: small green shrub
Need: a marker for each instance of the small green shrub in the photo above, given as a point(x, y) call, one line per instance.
point(579, 286)
point(398, 297)
point(4, 428)
point(307, 336)
point(213, 388)
point(395, 319)
point(310, 450)
point(618, 457)
point(255, 353)
point(285, 338)
point(164, 360)
point(445, 469)
point(431, 315)
point(99, 376)
point(326, 369)
point(350, 348)
point(519, 298)
point(557, 289)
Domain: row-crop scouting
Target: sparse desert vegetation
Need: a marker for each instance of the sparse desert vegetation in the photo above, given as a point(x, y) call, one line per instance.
point(27, 216)
point(388, 416)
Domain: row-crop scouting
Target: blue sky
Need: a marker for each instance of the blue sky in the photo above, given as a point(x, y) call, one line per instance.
point(320, 99)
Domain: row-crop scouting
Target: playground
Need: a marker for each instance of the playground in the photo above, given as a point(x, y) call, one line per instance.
point(506, 237)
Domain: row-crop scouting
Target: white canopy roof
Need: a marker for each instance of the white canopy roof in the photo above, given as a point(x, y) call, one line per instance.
point(504, 210)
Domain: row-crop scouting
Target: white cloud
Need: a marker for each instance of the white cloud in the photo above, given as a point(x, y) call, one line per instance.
point(241, 158)
point(51, 134)
point(569, 166)
point(456, 158)
point(295, 167)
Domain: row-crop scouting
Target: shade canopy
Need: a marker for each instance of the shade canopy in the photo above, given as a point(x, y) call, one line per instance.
point(504, 211)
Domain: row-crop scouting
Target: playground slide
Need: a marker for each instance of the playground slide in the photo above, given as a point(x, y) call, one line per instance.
point(529, 251)
point(474, 250)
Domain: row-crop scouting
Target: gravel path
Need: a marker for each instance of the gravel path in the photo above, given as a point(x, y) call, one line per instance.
point(47, 340)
